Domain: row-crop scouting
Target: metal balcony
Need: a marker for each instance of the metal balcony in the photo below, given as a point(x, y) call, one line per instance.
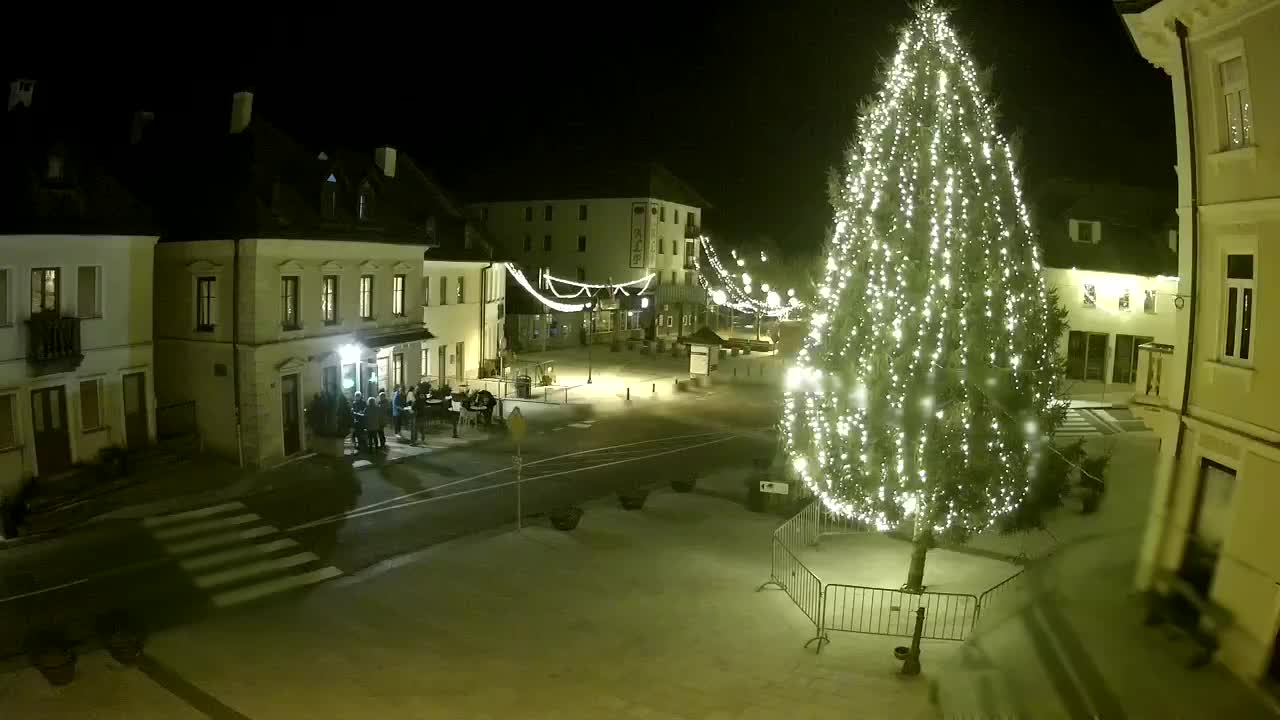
point(53, 343)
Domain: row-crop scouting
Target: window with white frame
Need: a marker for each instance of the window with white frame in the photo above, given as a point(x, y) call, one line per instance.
point(1238, 329)
point(461, 290)
point(329, 299)
point(8, 421)
point(1233, 81)
point(5, 317)
point(397, 295)
point(1085, 231)
point(1090, 295)
point(289, 319)
point(1123, 305)
point(444, 290)
point(206, 303)
point(366, 297)
point(1149, 302)
point(46, 290)
point(426, 291)
point(89, 291)
point(91, 405)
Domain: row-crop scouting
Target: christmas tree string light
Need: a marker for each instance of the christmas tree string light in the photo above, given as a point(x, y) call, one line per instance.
point(924, 395)
point(736, 289)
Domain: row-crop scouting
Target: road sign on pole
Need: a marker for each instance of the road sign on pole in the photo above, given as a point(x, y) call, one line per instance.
point(517, 426)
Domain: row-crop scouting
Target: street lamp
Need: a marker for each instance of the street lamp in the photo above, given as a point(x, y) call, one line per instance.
point(589, 323)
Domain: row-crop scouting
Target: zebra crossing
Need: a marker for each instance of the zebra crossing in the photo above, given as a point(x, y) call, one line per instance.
point(1081, 424)
point(234, 555)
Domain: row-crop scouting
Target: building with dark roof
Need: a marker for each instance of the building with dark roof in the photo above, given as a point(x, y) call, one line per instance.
point(75, 296)
point(286, 271)
point(1110, 255)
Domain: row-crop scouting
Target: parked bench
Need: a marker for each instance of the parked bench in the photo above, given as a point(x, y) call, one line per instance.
point(1202, 625)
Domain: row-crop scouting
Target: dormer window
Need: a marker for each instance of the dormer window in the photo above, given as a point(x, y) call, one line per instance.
point(53, 171)
point(1085, 231)
point(329, 199)
point(363, 200)
point(431, 227)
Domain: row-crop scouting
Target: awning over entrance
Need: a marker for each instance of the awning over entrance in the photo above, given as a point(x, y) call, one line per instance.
point(386, 338)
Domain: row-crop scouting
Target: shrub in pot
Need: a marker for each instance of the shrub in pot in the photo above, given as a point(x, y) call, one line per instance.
point(683, 486)
point(633, 497)
point(566, 518)
point(52, 654)
point(121, 636)
point(329, 419)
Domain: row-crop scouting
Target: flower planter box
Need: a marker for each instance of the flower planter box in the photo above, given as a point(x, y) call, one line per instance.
point(566, 518)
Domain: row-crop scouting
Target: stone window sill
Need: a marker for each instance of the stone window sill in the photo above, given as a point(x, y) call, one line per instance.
point(1219, 368)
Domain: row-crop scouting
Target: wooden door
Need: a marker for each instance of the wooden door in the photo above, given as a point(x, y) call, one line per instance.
point(135, 410)
point(49, 430)
point(291, 427)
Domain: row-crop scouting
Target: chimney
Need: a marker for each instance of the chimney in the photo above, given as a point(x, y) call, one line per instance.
point(141, 119)
point(20, 92)
point(241, 111)
point(386, 159)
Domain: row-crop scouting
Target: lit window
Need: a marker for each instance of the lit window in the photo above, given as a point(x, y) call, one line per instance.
point(363, 200)
point(46, 286)
point(460, 290)
point(366, 297)
point(397, 295)
point(289, 303)
point(1124, 301)
point(1238, 329)
point(329, 301)
point(1234, 82)
point(1090, 295)
point(426, 292)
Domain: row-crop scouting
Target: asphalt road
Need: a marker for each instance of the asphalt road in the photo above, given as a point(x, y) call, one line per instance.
point(332, 520)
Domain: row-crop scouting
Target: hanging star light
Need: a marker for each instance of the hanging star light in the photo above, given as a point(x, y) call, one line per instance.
point(925, 387)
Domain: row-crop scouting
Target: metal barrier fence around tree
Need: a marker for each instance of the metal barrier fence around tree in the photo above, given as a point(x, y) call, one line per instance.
point(859, 609)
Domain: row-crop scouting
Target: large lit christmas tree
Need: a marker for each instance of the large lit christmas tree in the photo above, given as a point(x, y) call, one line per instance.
point(924, 396)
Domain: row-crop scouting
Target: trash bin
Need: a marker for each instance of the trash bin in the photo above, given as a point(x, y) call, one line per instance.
point(524, 387)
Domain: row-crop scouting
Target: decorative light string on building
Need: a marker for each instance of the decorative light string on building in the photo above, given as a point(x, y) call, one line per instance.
point(737, 289)
point(925, 388)
point(589, 291)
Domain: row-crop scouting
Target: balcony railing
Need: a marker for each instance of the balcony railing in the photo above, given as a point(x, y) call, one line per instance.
point(53, 343)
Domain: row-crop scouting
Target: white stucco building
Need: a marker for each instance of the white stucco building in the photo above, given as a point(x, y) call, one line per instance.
point(599, 226)
point(75, 304)
point(464, 304)
point(1111, 255)
point(1212, 525)
point(288, 271)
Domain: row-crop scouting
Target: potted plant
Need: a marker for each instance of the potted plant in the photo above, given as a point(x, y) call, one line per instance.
point(566, 517)
point(683, 486)
point(633, 497)
point(329, 418)
point(51, 653)
point(121, 636)
point(1092, 471)
point(112, 462)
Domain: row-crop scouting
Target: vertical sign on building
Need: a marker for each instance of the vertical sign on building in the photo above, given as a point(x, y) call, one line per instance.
point(639, 239)
point(653, 232)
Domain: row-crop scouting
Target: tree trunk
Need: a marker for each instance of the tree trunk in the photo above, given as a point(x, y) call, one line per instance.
point(919, 546)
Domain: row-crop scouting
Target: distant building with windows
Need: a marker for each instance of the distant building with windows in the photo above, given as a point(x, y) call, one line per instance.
point(1212, 537)
point(599, 224)
point(75, 298)
point(1111, 255)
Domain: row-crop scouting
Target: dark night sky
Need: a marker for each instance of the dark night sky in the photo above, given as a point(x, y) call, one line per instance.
point(750, 102)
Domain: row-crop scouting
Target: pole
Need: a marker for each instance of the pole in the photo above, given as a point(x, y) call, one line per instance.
point(519, 491)
point(590, 326)
point(911, 666)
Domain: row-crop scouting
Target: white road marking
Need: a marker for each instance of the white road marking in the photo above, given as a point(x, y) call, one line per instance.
point(156, 521)
point(204, 526)
point(222, 557)
point(579, 425)
point(42, 591)
point(486, 474)
point(352, 514)
point(213, 541)
point(275, 585)
point(254, 569)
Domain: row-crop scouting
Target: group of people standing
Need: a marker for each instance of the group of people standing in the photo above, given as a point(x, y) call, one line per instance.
point(404, 409)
